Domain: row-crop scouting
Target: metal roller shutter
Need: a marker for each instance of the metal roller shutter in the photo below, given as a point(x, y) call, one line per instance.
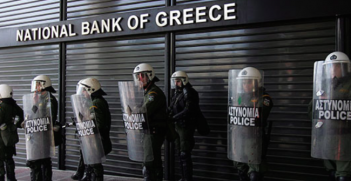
point(20, 13)
point(110, 61)
point(286, 53)
point(86, 8)
point(18, 66)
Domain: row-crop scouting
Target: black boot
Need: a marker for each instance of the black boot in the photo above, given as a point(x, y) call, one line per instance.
point(10, 170)
point(255, 176)
point(243, 175)
point(187, 166)
point(2, 178)
point(332, 175)
point(148, 174)
point(87, 175)
point(97, 172)
point(343, 178)
point(80, 171)
point(47, 169)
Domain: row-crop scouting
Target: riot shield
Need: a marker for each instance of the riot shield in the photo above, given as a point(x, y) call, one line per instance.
point(244, 118)
point(38, 126)
point(331, 110)
point(135, 122)
point(88, 132)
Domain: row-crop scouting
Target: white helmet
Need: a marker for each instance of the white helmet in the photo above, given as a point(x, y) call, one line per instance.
point(179, 75)
point(337, 57)
point(42, 81)
point(5, 91)
point(249, 73)
point(145, 69)
point(91, 85)
point(337, 64)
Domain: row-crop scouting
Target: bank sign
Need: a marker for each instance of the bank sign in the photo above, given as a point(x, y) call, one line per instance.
point(173, 18)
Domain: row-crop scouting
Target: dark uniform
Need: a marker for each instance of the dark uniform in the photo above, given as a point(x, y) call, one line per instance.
point(103, 121)
point(155, 103)
point(184, 109)
point(341, 89)
point(258, 170)
point(42, 169)
point(9, 137)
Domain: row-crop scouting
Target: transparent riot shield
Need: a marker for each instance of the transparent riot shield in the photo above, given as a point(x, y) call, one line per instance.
point(87, 130)
point(38, 126)
point(135, 122)
point(244, 118)
point(331, 110)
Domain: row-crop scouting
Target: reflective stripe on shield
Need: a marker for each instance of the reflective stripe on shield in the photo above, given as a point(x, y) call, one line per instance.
point(135, 122)
point(88, 132)
point(244, 118)
point(331, 129)
point(38, 126)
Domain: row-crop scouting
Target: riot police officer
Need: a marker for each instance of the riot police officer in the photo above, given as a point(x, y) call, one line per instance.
point(184, 109)
point(155, 103)
point(249, 108)
point(91, 87)
point(331, 135)
point(8, 131)
point(42, 90)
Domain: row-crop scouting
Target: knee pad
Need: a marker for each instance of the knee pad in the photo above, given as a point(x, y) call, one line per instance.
point(255, 176)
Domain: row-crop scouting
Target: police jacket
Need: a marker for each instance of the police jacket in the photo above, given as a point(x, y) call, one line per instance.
point(8, 111)
point(155, 103)
point(103, 121)
point(184, 106)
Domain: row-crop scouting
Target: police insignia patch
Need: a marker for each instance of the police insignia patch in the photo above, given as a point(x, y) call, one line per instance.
point(151, 98)
point(266, 102)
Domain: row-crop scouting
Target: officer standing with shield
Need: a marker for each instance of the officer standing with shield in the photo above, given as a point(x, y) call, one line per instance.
point(155, 103)
point(184, 110)
point(8, 131)
point(40, 110)
point(249, 108)
point(93, 126)
point(329, 110)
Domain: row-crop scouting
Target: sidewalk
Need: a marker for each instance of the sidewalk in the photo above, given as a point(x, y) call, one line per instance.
point(23, 174)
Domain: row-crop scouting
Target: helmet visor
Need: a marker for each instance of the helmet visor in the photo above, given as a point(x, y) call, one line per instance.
point(247, 85)
point(81, 90)
point(337, 69)
point(37, 85)
point(140, 78)
point(177, 82)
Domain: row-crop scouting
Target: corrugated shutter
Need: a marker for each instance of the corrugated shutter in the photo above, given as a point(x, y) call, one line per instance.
point(286, 53)
point(29, 12)
point(86, 8)
point(110, 61)
point(18, 66)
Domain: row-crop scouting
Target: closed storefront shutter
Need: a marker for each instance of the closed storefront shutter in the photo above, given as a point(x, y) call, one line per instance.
point(286, 54)
point(29, 12)
point(18, 66)
point(88, 8)
point(110, 61)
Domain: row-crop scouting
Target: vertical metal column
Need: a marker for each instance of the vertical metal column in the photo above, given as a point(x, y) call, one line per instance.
point(62, 94)
point(170, 67)
point(340, 33)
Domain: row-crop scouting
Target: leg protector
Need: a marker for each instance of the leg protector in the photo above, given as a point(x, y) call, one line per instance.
point(47, 169)
point(80, 170)
point(256, 176)
point(343, 179)
point(187, 166)
point(97, 172)
point(35, 170)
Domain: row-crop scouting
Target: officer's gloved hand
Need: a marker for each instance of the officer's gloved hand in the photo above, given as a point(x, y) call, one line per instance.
point(22, 124)
point(3, 127)
point(57, 128)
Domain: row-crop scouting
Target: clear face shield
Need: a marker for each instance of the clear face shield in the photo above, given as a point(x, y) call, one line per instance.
point(81, 90)
point(176, 82)
point(140, 79)
point(336, 70)
point(247, 86)
point(37, 85)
